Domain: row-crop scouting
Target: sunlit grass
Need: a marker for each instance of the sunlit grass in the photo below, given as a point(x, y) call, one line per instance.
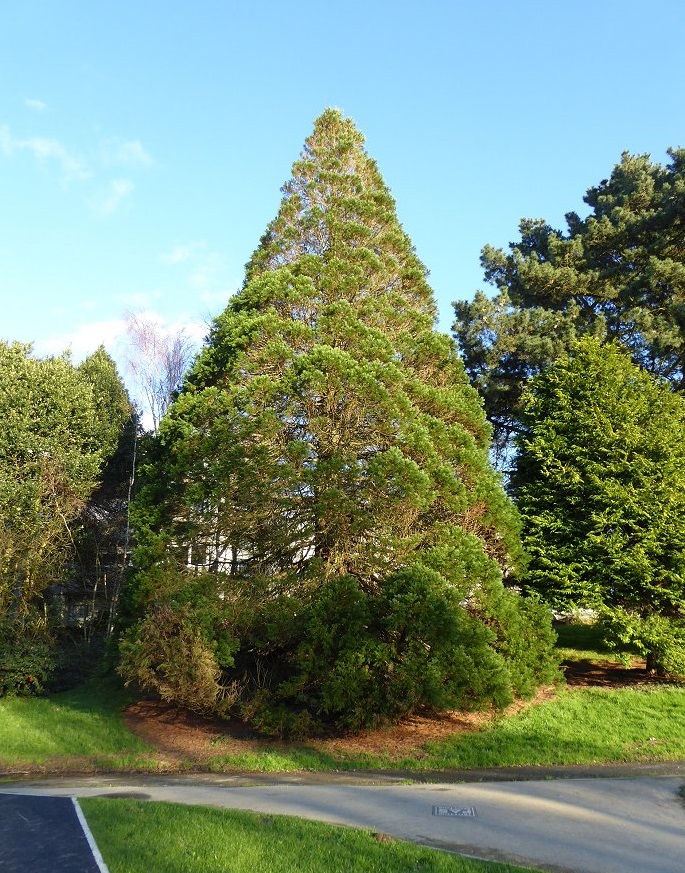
point(139, 837)
point(83, 723)
point(84, 730)
point(583, 642)
point(577, 727)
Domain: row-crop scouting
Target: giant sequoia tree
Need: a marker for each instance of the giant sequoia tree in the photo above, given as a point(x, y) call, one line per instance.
point(322, 538)
point(600, 483)
point(618, 273)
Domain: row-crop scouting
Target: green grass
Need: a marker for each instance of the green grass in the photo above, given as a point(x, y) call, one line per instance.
point(83, 723)
point(83, 729)
point(577, 727)
point(583, 642)
point(139, 837)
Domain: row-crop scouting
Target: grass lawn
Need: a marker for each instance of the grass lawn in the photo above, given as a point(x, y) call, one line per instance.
point(578, 727)
point(582, 642)
point(581, 726)
point(83, 730)
point(139, 837)
point(85, 723)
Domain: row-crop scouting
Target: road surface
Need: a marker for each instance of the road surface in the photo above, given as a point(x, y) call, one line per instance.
point(586, 825)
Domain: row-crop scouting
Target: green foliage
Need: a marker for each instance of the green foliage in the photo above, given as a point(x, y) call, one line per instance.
point(27, 658)
point(600, 483)
point(619, 273)
point(325, 448)
point(660, 639)
point(364, 659)
point(181, 645)
point(112, 404)
point(59, 425)
point(48, 463)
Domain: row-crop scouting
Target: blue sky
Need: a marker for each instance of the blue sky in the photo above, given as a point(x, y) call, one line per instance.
point(143, 144)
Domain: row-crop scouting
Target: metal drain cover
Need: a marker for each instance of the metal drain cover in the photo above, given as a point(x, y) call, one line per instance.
point(460, 811)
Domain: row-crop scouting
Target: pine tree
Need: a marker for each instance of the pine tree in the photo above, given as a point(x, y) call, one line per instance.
point(327, 465)
point(618, 273)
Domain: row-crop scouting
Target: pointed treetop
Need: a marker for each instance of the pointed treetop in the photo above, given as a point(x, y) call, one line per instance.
point(337, 208)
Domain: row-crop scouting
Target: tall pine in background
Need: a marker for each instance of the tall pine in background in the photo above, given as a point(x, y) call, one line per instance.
point(618, 273)
point(322, 538)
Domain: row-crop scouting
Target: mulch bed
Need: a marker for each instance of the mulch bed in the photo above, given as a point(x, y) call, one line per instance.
point(179, 735)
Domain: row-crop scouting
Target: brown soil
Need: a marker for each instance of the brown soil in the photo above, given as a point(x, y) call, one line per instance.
point(181, 737)
point(610, 675)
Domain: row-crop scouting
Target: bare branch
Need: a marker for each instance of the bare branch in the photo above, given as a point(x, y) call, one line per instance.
point(156, 358)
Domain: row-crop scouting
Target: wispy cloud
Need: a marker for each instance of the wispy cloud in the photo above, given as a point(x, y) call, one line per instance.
point(139, 300)
point(104, 196)
point(192, 328)
point(205, 271)
point(218, 299)
point(38, 105)
point(44, 149)
point(117, 191)
point(125, 153)
point(182, 253)
point(84, 340)
point(204, 264)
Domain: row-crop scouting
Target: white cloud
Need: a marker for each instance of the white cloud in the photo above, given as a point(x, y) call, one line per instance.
point(111, 333)
point(84, 340)
point(75, 168)
point(214, 300)
point(43, 149)
point(206, 268)
point(118, 191)
point(6, 144)
point(139, 300)
point(125, 153)
point(182, 253)
point(206, 272)
point(38, 105)
point(193, 328)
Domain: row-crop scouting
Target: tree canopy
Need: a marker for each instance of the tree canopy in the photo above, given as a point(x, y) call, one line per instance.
point(600, 484)
point(619, 273)
point(322, 537)
point(59, 425)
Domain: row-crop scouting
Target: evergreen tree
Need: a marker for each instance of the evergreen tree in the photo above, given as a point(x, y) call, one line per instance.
point(600, 484)
point(321, 532)
point(619, 273)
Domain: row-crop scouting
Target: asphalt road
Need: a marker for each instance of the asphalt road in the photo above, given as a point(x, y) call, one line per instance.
point(45, 835)
point(586, 825)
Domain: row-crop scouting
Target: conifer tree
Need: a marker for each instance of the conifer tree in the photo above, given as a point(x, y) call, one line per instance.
point(600, 483)
point(321, 530)
point(618, 273)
